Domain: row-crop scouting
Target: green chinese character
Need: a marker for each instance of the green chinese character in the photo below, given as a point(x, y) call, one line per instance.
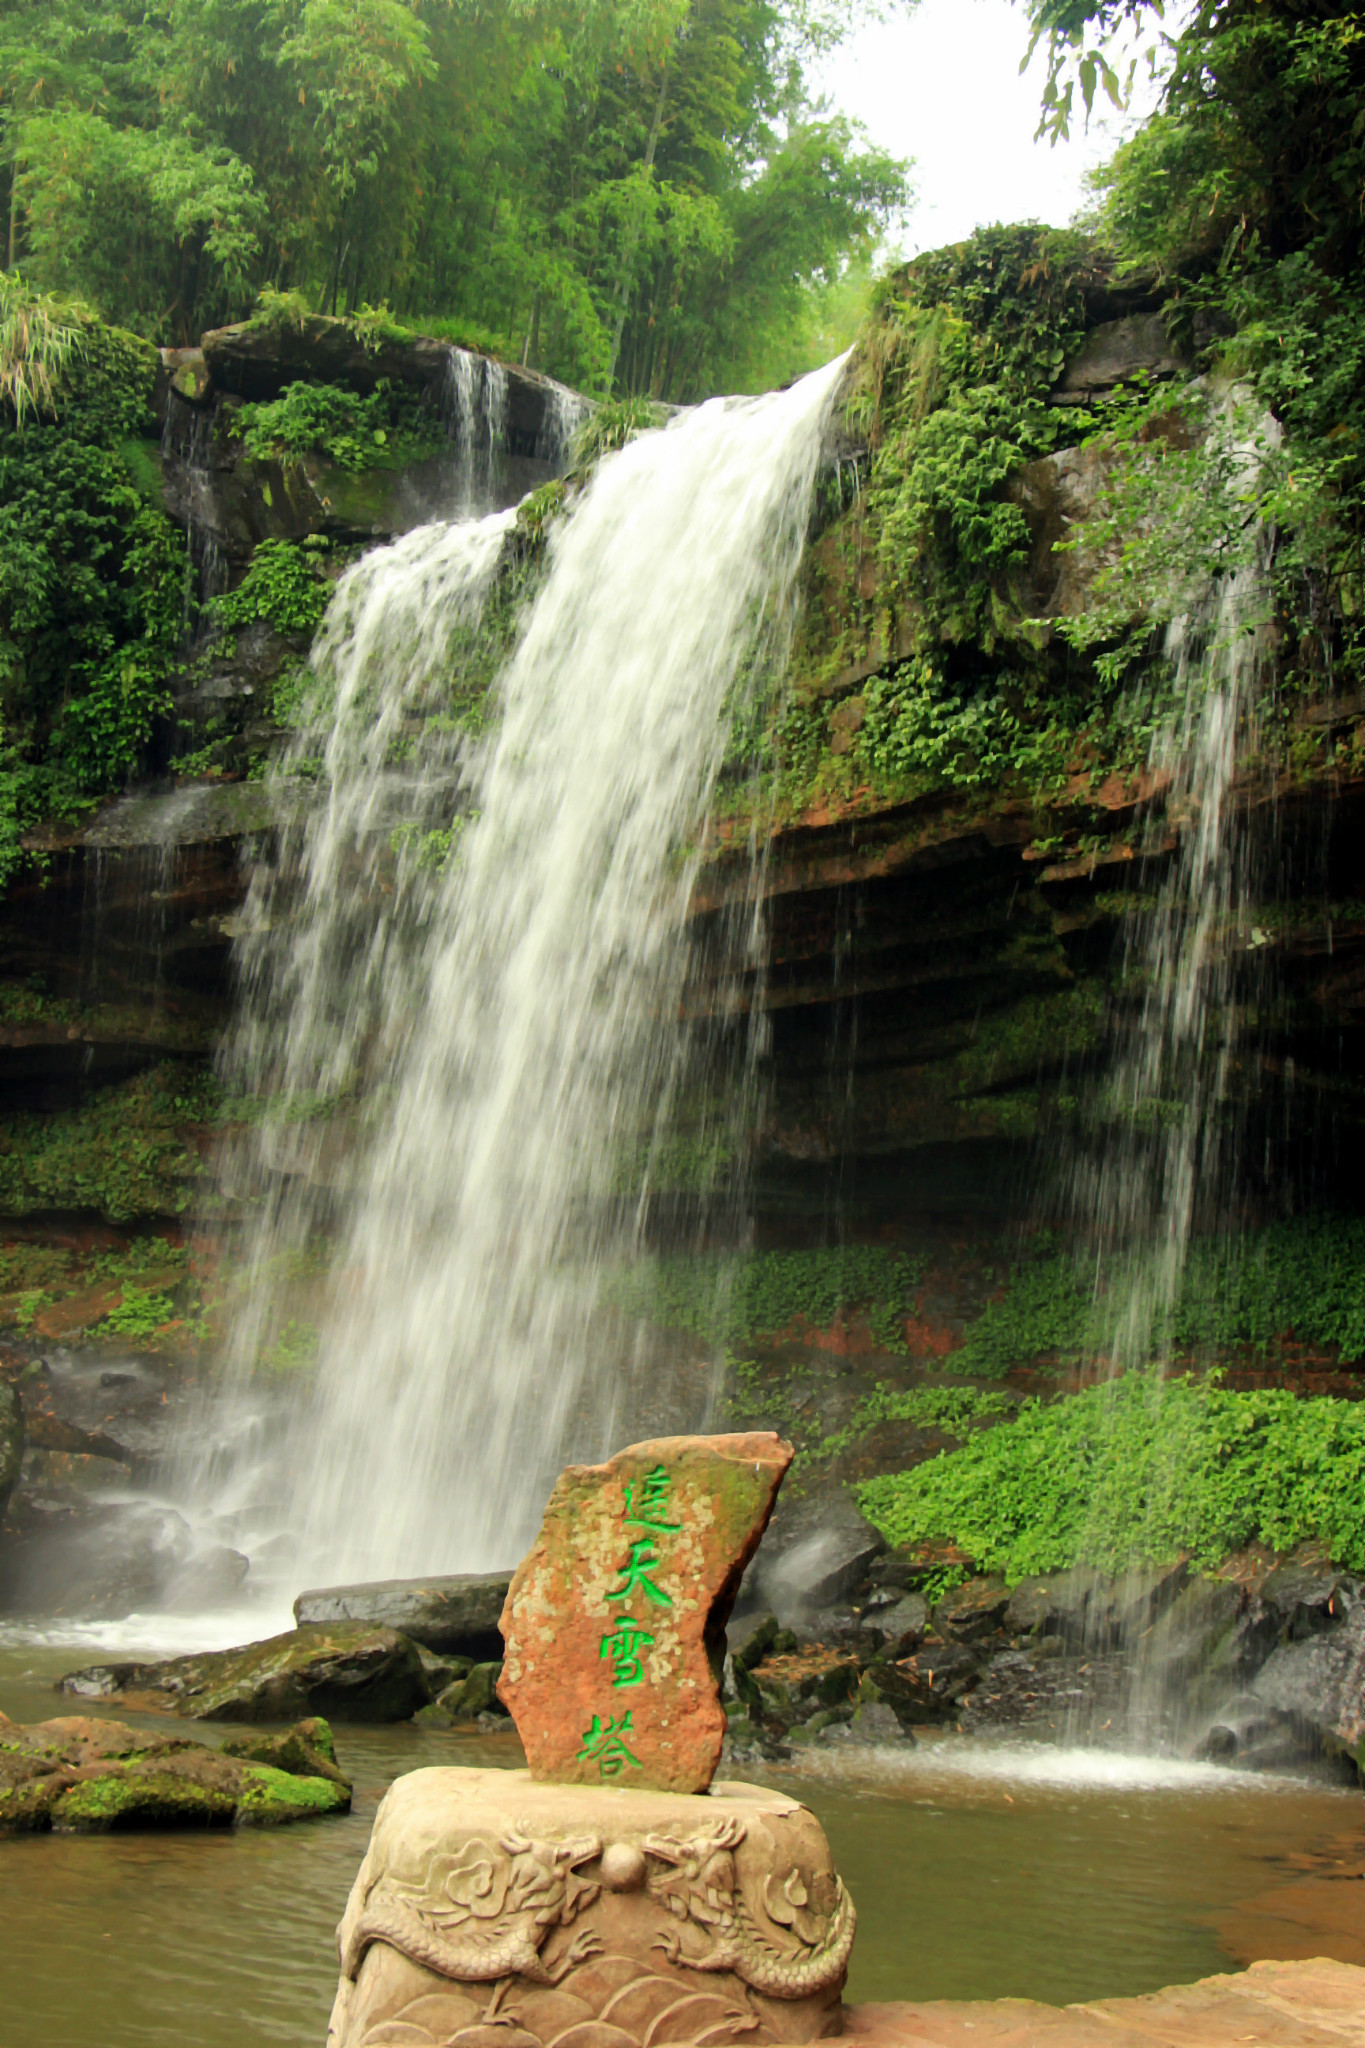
point(654, 1488)
point(623, 1647)
point(605, 1746)
point(634, 1575)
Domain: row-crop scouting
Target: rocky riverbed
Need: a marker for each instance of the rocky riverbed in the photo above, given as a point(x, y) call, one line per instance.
point(842, 1642)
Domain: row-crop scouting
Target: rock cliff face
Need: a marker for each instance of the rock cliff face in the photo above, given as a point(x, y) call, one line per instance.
point(942, 968)
point(231, 503)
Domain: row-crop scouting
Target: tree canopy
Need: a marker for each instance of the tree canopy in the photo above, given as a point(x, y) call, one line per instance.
point(632, 194)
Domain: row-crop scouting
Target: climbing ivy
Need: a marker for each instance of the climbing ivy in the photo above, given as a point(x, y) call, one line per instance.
point(953, 1410)
point(1304, 1278)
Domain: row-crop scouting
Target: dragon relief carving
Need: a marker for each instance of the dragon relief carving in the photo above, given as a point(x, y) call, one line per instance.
point(700, 1886)
point(485, 1913)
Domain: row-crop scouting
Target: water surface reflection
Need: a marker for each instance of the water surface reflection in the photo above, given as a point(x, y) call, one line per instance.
point(977, 1873)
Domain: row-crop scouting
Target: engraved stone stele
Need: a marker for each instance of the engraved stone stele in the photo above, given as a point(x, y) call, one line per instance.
point(496, 1911)
point(605, 1898)
point(615, 1621)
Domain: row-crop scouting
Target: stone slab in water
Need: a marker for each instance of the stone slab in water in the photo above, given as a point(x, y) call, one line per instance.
point(492, 1909)
point(80, 1776)
point(458, 1614)
point(1318, 2004)
point(617, 1612)
point(349, 1672)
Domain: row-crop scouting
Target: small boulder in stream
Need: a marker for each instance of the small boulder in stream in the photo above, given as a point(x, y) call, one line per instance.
point(457, 1615)
point(349, 1672)
point(80, 1776)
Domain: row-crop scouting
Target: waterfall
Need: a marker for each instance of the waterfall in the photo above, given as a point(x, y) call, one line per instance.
point(1156, 1156)
point(565, 412)
point(1162, 1166)
point(521, 1019)
point(475, 406)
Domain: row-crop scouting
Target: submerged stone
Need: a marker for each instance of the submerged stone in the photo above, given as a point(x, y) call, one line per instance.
point(615, 1620)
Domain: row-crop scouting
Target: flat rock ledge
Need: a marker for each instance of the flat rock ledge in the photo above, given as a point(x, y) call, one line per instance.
point(348, 1672)
point(1318, 2004)
point(456, 1613)
point(76, 1775)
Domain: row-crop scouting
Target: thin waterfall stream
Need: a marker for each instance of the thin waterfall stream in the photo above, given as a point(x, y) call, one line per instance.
point(516, 1018)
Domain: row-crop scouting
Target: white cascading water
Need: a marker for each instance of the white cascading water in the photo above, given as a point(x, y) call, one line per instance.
point(475, 405)
point(521, 1021)
point(1164, 1128)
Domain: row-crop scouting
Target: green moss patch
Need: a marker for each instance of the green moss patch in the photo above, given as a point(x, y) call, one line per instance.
point(142, 1797)
point(270, 1797)
point(124, 1152)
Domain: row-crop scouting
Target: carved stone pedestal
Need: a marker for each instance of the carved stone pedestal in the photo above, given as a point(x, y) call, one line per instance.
point(492, 1911)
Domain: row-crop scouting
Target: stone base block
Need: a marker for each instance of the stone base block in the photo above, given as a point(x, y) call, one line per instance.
point(493, 1911)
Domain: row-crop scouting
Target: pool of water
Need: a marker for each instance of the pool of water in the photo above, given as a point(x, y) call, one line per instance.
point(978, 1872)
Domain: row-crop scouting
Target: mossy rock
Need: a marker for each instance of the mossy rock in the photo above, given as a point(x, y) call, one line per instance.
point(349, 1671)
point(83, 1776)
point(307, 1750)
point(474, 1695)
point(270, 1797)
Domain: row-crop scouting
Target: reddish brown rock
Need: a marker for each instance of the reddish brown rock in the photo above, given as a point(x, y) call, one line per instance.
point(618, 1610)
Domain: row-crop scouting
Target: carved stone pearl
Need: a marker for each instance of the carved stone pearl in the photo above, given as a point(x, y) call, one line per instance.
point(623, 1867)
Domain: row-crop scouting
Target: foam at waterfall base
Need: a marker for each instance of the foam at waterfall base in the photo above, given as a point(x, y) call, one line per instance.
point(955, 1767)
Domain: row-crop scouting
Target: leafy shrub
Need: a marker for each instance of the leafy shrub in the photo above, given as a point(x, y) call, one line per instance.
point(282, 586)
point(1140, 1472)
point(139, 1314)
point(92, 575)
point(383, 430)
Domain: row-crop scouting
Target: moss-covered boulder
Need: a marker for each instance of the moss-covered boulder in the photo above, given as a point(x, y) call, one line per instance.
point(306, 1750)
point(348, 1672)
point(77, 1775)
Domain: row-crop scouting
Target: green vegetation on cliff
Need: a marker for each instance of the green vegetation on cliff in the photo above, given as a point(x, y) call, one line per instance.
point(1303, 1279)
point(940, 651)
point(92, 573)
point(1139, 1472)
point(739, 1300)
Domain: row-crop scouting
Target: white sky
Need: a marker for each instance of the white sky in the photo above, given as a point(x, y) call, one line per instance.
point(943, 86)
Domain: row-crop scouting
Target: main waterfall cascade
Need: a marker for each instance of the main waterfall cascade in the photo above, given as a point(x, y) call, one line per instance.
point(517, 1018)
